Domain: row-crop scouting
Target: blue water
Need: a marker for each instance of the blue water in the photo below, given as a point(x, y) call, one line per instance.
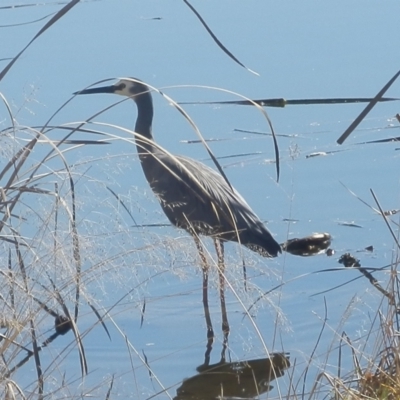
point(300, 50)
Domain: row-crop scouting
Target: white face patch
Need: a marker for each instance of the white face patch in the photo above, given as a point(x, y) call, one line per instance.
point(130, 88)
point(124, 87)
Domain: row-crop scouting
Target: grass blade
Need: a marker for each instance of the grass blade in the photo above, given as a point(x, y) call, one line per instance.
point(54, 19)
point(216, 40)
point(110, 388)
point(100, 319)
point(367, 109)
point(123, 205)
point(385, 218)
point(281, 102)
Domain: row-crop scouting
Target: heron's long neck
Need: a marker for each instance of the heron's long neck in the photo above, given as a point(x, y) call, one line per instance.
point(143, 124)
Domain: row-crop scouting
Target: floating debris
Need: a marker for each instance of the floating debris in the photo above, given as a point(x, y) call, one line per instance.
point(330, 252)
point(324, 153)
point(351, 262)
point(387, 140)
point(197, 141)
point(317, 243)
point(316, 154)
point(62, 324)
point(265, 133)
point(290, 220)
point(350, 224)
point(390, 212)
point(368, 249)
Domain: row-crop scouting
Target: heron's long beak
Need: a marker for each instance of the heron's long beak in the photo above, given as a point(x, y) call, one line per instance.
point(103, 89)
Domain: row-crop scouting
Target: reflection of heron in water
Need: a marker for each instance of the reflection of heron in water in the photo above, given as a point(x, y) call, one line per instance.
point(192, 195)
point(244, 379)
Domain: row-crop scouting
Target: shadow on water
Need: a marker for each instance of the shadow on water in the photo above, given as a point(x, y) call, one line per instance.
point(241, 379)
point(244, 379)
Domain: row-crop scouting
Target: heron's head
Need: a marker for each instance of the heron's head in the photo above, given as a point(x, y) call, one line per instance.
point(125, 87)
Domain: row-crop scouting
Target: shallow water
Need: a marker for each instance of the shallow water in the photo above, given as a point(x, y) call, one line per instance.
point(307, 51)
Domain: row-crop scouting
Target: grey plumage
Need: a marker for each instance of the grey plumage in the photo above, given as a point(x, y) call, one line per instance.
point(192, 195)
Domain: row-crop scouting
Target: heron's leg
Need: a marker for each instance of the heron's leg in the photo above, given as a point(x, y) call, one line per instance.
point(219, 247)
point(245, 275)
point(204, 266)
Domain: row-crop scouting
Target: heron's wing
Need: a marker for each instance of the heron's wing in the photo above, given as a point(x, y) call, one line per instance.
point(194, 196)
point(207, 196)
point(214, 185)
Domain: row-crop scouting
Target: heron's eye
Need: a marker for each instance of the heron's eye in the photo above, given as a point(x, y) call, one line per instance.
point(121, 86)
